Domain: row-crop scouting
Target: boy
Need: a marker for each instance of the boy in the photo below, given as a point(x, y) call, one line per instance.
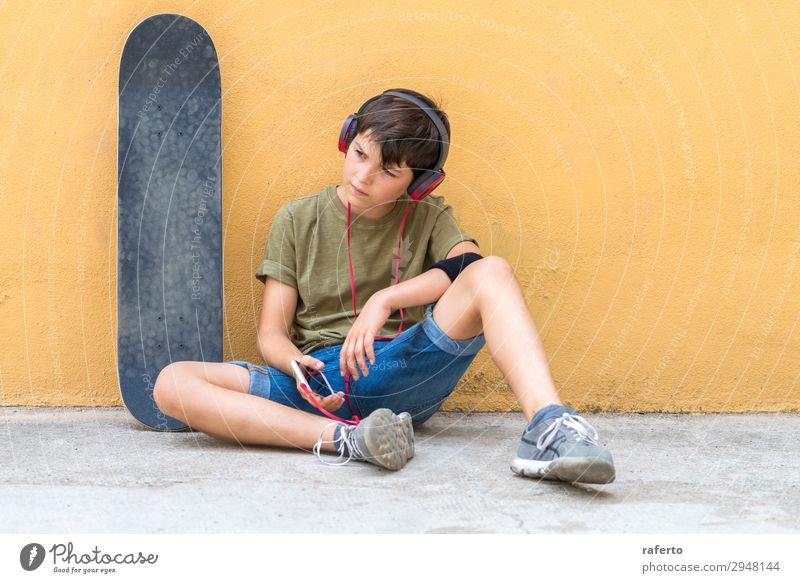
point(395, 148)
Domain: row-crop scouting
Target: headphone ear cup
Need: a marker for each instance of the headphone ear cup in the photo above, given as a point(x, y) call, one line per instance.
point(425, 184)
point(348, 133)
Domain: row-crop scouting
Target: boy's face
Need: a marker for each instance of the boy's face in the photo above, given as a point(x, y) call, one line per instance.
point(363, 171)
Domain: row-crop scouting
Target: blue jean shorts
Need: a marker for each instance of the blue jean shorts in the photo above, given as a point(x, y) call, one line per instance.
point(414, 372)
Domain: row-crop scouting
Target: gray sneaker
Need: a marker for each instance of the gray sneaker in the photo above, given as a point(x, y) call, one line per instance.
point(563, 448)
point(382, 438)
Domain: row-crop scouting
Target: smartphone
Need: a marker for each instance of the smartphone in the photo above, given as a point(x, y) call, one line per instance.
point(299, 374)
point(297, 368)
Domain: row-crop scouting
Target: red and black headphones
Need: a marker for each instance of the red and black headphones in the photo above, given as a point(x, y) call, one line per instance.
point(419, 188)
point(428, 180)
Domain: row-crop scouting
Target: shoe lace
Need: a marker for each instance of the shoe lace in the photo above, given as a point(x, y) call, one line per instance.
point(583, 430)
point(347, 443)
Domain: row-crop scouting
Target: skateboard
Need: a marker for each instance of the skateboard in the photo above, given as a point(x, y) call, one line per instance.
point(169, 196)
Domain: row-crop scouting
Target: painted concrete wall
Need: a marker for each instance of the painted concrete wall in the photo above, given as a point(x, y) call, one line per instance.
point(635, 162)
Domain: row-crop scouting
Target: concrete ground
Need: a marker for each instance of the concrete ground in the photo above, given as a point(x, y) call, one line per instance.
point(97, 470)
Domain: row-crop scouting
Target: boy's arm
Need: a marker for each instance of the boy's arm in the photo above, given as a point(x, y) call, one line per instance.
point(427, 287)
point(277, 313)
point(277, 350)
point(424, 289)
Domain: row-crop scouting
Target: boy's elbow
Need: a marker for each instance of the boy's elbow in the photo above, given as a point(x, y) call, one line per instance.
point(268, 336)
point(262, 339)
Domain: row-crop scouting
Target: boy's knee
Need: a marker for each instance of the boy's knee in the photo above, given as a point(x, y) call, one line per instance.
point(495, 264)
point(167, 382)
point(489, 268)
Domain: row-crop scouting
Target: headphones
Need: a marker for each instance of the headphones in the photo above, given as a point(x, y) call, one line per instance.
point(428, 180)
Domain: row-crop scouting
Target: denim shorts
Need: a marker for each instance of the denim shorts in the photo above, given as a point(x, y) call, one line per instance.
point(414, 372)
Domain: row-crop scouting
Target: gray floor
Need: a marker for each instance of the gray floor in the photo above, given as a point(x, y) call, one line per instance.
point(97, 470)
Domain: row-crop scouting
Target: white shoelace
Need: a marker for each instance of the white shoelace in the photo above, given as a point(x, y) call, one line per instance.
point(346, 443)
point(584, 431)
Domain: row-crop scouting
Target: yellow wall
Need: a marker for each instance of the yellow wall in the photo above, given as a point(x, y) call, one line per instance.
point(635, 162)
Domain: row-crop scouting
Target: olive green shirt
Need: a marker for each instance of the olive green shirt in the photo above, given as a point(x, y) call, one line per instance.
point(307, 249)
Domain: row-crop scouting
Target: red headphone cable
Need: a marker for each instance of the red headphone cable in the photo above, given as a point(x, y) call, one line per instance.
point(355, 419)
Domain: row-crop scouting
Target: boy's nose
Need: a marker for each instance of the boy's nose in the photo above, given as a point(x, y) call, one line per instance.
point(364, 174)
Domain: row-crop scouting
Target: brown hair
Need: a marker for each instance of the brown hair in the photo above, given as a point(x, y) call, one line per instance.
point(403, 131)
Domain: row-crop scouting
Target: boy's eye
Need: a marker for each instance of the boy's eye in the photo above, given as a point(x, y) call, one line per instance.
point(360, 153)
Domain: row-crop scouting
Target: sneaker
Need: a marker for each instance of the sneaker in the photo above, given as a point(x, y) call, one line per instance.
point(563, 447)
point(381, 438)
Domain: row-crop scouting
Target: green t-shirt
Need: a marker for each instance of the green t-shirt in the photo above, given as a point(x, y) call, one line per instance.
point(307, 249)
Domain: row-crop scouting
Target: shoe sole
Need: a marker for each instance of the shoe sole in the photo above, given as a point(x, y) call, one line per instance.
point(406, 419)
point(587, 470)
point(386, 439)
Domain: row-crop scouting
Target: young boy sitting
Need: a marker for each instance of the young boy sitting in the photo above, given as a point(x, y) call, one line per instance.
point(381, 225)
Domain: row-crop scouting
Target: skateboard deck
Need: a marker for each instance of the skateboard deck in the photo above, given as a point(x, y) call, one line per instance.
point(169, 195)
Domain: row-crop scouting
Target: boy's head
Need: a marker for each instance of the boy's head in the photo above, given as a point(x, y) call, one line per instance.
point(395, 142)
point(405, 134)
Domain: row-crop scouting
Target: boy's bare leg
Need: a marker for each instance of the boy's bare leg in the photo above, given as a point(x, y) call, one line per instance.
point(486, 297)
point(213, 398)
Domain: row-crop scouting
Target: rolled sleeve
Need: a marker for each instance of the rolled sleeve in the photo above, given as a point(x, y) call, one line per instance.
point(279, 261)
point(275, 270)
point(446, 234)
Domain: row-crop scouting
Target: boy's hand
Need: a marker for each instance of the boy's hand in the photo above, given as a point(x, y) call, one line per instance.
point(328, 402)
point(361, 337)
